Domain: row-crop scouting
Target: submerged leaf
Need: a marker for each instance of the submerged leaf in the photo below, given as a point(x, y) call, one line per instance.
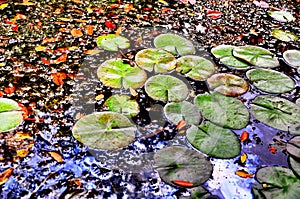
point(195, 67)
point(104, 130)
point(181, 166)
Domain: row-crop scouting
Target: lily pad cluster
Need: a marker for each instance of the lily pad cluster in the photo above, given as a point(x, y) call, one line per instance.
point(10, 114)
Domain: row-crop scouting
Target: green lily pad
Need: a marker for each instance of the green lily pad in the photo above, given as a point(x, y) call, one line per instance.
point(224, 53)
point(214, 141)
point(177, 163)
point(277, 112)
point(166, 88)
point(113, 42)
point(122, 104)
point(284, 35)
point(174, 44)
point(116, 73)
point(196, 193)
point(228, 84)
point(293, 147)
point(224, 111)
point(10, 114)
point(195, 67)
point(176, 112)
point(105, 130)
point(159, 60)
point(256, 56)
point(281, 183)
point(270, 81)
point(295, 165)
point(292, 57)
point(281, 16)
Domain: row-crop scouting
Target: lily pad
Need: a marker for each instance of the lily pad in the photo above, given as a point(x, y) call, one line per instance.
point(178, 163)
point(292, 57)
point(174, 44)
point(159, 60)
point(122, 104)
point(214, 141)
point(116, 73)
point(284, 35)
point(105, 130)
point(281, 183)
point(256, 56)
point(228, 84)
point(195, 67)
point(10, 114)
point(224, 53)
point(293, 147)
point(166, 88)
point(112, 42)
point(281, 16)
point(295, 165)
point(176, 112)
point(224, 111)
point(270, 81)
point(277, 112)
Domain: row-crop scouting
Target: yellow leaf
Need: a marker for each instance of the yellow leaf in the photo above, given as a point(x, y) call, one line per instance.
point(99, 97)
point(40, 48)
point(22, 153)
point(73, 48)
point(92, 52)
point(163, 2)
point(2, 6)
point(21, 136)
point(57, 157)
point(133, 92)
point(243, 158)
point(64, 19)
point(89, 10)
point(2, 64)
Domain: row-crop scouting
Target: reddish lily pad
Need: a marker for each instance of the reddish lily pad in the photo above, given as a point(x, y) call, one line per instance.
point(228, 84)
point(10, 114)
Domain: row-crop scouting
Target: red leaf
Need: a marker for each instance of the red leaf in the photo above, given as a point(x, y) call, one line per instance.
point(272, 150)
point(45, 61)
point(181, 124)
point(15, 27)
point(58, 78)
point(9, 90)
point(183, 183)
point(244, 136)
point(110, 25)
point(213, 14)
point(62, 58)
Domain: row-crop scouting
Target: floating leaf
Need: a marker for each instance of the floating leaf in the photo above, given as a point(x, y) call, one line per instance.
point(104, 130)
point(76, 32)
point(244, 136)
point(58, 78)
point(110, 25)
point(282, 16)
point(166, 88)
point(4, 176)
point(116, 73)
point(113, 42)
point(213, 14)
point(159, 60)
point(122, 104)
point(175, 44)
point(62, 58)
point(57, 157)
point(270, 81)
point(292, 57)
point(176, 112)
point(295, 165)
point(224, 53)
point(195, 67)
point(284, 35)
point(183, 183)
point(10, 114)
point(277, 112)
point(256, 56)
point(228, 84)
point(293, 147)
point(243, 158)
point(281, 183)
point(214, 141)
point(4, 5)
point(176, 163)
point(225, 111)
point(244, 174)
point(272, 150)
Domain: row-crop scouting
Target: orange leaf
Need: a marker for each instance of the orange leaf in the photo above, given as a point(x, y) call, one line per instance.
point(45, 61)
point(89, 29)
point(77, 1)
point(49, 40)
point(128, 7)
point(57, 157)
point(244, 136)
point(183, 183)
point(19, 16)
point(92, 52)
point(4, 176)
point(77, 182)
point(62, 58)
point(58, 78)
point(22, 153)
point(273, 150)
point(244, 174)
point(76, 32)
point(1, 93)
point(119, 31)
point(181, 124)
point(9, 90)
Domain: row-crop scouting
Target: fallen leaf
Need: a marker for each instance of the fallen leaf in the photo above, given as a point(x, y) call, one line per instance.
point(119, 31)
point(57, 157)
point(244, 174)
point(2, 6)
point(99, 97)
point(19, 16)
point(49, 40)
point(244, 136)
point(110, 25)
point(45, 61)
point(213, 14)
point(272, 150)
point(62, 58)
point(20, 135)
point(58, 78)
point(181, 124)
point(183, 183)
point(76, 32)
point(92, 52)
point(40, 48)
point(77, 1)
point(243, 158)
point(9, 90)
point(22, 153)
point(128, 7)
point(261, 4)
point(4, 176)
point(89, 29)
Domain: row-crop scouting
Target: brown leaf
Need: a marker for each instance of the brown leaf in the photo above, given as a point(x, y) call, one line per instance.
point(4, 176)
point(57, 157)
